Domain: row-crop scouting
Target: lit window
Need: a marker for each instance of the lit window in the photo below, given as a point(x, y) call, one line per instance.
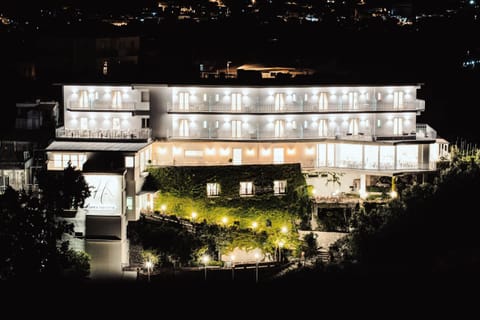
point(217, 97)
point(294, 124)
point(279, 187)
point(116, 99)
point(129, 203)
point(323, 101)
point(183, 100)
point(236, 129)
point(246, 188)
point(57, 160)
point(279, 99)
point(183, 128)
point(294, 97)
point(353, 127)
point(279, 128)
point(306, 97)
point(205, 124)
point(379, 123)
point(398, 99)
point(322, 128)
point(236, 102)
point(83, 101)
point(213, 189)
point(397, 126)
point(129, 162)
point(217, 124)
point(353, 100)
point(205, 97)
point(379, 96)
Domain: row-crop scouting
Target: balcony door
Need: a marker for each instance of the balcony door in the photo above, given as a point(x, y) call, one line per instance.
point(237, 156)
point(278, 155)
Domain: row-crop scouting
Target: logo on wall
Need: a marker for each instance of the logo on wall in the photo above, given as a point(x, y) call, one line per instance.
point(105, 194)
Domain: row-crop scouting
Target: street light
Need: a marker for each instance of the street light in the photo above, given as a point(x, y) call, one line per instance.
point(257, 257)
point(232, 258)
point(205, 260)
point(224, 220)
point(254, 225)
point(194, 215)
point(163, 208)
point(284, 229)
point(280, 246)
point(148, 265)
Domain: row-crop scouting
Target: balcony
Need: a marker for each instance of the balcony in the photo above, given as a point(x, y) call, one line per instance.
point(206, 107)
point(133, 134)
point(100, 106)
point(424, 131)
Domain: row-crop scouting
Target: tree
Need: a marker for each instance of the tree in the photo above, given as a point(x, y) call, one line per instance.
point(431, 227)
point(31, 234)
point(64, 191)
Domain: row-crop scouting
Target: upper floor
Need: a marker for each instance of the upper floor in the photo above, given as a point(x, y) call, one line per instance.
point(313, 99)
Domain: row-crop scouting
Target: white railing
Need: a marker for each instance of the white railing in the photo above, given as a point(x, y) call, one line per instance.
point(107, 106)
point(417, 105)
point(424, 131)
point(133, 134)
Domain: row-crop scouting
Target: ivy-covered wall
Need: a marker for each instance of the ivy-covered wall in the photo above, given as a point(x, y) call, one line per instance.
point(190, 182)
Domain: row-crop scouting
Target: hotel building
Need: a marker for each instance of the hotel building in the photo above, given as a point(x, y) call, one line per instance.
point(113, 132)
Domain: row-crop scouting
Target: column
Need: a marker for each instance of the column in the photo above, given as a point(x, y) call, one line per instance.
point(363, 185)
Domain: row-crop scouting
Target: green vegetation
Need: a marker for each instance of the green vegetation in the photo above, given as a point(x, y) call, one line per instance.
point(430, 227)
point(31, 235)
point(229, 220)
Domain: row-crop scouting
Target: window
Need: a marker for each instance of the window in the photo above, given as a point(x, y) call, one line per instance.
point(183, 128)
point(246, 188)
point(323, 101)
point(183, 100)
point(278, 155)
point(83, 124)
point(279, 128)
point(322, 128)
point(279, 187)
point(217, 124)
point(279, 100)
point(83, 101)
point(397, 126)
point(116, 123)
point(205, 97)
point(129, 203)
point(306, 97)
point(294, 124)
point(398, 99)
point(236, 102)
point(205, 124)
point(145, 96)
point(145, 123)
point(353, 100)
point(294, 97)
point(353, 127)
point(379, 96)
point(217, 97)
point(213, 189)
point(61, 160)
point(116, 99)
point(236, 129)
point(379, 123)
point(129, 162)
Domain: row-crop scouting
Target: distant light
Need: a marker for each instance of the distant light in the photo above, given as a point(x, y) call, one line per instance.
point(224, 220)
point(254, 225)
point(163, 207)
point(257, 256)
point(394, 194)
point(232, 257)
point(194, 215)
point(205, 259)
point(284, 229)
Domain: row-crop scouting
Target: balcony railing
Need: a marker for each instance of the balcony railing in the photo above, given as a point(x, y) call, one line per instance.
point(107, 106)
point(417, 105)
point(133, 134)
point(29, 188)
point(424, 131)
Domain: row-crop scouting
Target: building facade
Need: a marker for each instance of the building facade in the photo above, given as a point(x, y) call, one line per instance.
point(359, 132)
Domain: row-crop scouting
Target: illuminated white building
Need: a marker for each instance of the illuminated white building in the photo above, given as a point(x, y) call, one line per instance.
point(357, 131)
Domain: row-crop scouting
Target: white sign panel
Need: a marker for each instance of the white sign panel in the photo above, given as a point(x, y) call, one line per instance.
point(106, 194)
